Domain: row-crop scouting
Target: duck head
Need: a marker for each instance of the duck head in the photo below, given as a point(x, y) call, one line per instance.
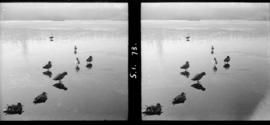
point(65, 73)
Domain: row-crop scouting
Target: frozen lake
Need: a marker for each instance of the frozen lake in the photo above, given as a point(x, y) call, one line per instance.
point(239, 92)
point(96, 93)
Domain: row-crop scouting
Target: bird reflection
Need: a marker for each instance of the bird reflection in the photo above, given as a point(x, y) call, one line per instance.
point(60, 85)
point(226, 66)
point(179, 99)
point(185, 73)
point(198, 86)
point(212, 52)
point(78, 61)
point(89, 66)
point(51, 38)
point(187, 38)
point(48, 73)
point(77, 68)
point(215, 68)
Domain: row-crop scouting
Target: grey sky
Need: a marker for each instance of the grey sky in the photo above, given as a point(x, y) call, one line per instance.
point(187, 11)
point(63, 11)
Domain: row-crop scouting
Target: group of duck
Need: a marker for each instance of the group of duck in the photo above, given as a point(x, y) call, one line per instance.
point(42, 98)
point(181, 98)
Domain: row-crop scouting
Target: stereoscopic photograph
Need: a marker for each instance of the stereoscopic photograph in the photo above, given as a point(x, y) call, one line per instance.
point(64, 61)
point(205, 61)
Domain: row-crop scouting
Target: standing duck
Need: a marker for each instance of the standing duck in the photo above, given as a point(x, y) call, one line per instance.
point(89, 59)
point(60, 76)
point(185, 66)
point(198, 77)
point(227, 59)
point(48, 66)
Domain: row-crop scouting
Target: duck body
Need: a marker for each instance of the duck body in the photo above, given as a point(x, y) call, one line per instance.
point(41, 98)
point(227, 59)
point(60, 76)
point(198, 76)
point(47, 66)
point(153, 110)
point(14, 109)
point(185, 66)
point(179, 99)
point(89, 59)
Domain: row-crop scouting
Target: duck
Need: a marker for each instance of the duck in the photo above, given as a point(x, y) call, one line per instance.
point(14, 109)
point(75, 47)
point(48, 66)
point(215, 68)
point(212, 48)
point(41, 98)
point(51, 38)
point(89, 59)
point(185, 66)
point(60, 76)
point(187, 38)
point(179, 99)
point(227, 59)
point(197, 77)
point(153, 109)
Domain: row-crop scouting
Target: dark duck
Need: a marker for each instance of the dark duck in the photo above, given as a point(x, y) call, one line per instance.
point(227, 59)
point(48, 66)
point(89, 59)
point(41, 98)
point(198, 77)
point(60, 76)
point(179, 99)
point(14, 109)
point(185, 66)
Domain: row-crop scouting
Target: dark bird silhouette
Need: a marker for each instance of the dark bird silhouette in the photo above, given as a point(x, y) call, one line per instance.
point(179, 99)
point(77, 68)
point(48, 66)
point(198, 86)
point(215, 68)
point(14, 109)
point(89, 59)
point(153, 110)
point(198, 76)
point(48, 73)
point(227, 59)
point(60, 86)
point(89, 66)
point(185, 66)
point(60, 76)
point(187, 38)
point(215, 60)
point(51, 38)
point(185, 73)
point(227, 66)
point(75, 49)
point(212, 48)
point(41, 98)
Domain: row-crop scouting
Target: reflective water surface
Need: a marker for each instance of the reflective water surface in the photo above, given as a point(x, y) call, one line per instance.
point(233, 91)
point(90, 91)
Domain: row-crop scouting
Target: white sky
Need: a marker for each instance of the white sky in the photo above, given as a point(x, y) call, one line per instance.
point(63, 11)
point(172, 11)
